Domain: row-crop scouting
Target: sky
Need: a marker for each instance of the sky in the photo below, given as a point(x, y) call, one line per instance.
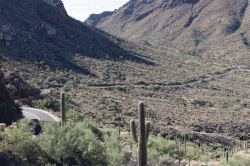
point(81, 9)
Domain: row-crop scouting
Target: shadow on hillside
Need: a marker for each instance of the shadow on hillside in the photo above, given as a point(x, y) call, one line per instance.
point(72, 37)
point(95, 43)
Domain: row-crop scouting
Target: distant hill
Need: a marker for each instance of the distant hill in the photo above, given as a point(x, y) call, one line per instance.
point(215, 29)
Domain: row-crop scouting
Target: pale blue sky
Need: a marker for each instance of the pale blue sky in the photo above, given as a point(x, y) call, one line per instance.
point(81, 9)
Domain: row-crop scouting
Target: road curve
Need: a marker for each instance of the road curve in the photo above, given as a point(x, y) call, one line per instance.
point(32, 113)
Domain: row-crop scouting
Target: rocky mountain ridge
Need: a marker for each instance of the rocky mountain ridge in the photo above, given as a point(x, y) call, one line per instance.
point(215, 29)
point(42, 31)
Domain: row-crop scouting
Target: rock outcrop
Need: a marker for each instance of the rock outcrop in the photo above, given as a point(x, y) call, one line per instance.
point(50, 30)
point(6, 33)
point(5, 94)
point(53, 13)
point(24, 90)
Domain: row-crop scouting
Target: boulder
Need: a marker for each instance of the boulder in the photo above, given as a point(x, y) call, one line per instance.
point(50, 30)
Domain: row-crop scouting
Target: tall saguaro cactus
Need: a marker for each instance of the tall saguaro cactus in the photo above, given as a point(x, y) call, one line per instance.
point(63, 108)
point(227, 156)
point(143, 135)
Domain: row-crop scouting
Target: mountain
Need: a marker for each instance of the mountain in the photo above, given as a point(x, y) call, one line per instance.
point(215, 29)
point(41, 31)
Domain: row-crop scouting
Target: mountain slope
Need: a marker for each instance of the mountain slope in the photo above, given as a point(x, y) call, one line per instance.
point(39, 31)
point(216, 29)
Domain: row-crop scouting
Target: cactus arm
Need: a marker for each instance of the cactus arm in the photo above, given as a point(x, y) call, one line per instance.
point(133, 131)
point(147, 130)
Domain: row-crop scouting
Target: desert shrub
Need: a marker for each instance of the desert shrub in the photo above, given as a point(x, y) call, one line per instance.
point(194, 154)
point(46, 104)
point(75, 116)
point(19, 133)
point(12, 89)
point(72, 144)
point(34, 85)
point(236, 107)
point(117, 156)
point(162, 151)
point(81, 86)
point(239, 161)
point(10, 112)
point(126, 112)
point(47, 80)
point(21, 141)
point(3, 144)
point(67, 87)
point(28, 148)
point(60, 78)
point(154, 87)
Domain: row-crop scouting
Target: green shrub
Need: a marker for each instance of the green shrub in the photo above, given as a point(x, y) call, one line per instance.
point(47, 80)
point(194, 154)
point(34, 85)
point(239, 161)
point(19, 133)
point(126, 112)
point(67, 87)
point(75, 116)
point(3, 144)
point(12, 89)
point(21, 141)
point(154, 87)
point(162, 151)
point(28, 148)
point(114, 147)
point(237, 107)
point(72, 143)
point(81, 86)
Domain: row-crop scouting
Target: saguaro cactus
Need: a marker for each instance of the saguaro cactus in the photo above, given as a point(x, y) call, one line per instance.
point(227, 156)
point(143, 135)
point(63, 108)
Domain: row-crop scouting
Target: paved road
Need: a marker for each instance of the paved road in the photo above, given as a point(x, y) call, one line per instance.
point(38, 115)
point(32, 113)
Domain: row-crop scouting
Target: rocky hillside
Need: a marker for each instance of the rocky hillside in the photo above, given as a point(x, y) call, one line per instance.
point(5, 94)
point(215, 29)
point(41, 31)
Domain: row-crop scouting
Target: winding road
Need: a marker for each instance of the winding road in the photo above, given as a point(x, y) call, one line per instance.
point(191, 83)
point(37, 115)
point(32, 113)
